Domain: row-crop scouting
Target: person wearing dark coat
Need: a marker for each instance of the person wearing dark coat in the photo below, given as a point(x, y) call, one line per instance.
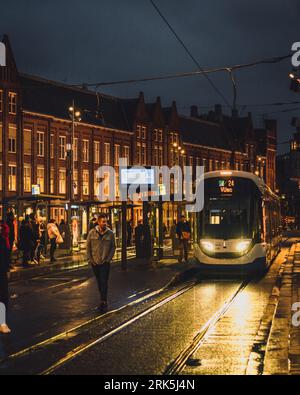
point(35, 226)
point(26, 241)
point(64, 230)
point(4, 269)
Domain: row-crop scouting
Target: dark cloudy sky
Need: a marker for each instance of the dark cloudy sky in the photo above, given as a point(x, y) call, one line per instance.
point(103, 40)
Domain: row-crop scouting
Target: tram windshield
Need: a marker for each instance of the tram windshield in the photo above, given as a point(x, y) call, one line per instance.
point(229, 209)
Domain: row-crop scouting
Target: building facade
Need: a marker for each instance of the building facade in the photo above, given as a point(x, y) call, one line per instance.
point(36, 131)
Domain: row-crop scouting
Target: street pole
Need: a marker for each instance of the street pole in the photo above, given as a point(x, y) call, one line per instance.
point(70, 177)
point(160, 227)
point(124, 235)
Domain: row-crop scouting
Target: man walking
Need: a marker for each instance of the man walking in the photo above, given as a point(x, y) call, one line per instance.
point(183, 231)
point(101, 247)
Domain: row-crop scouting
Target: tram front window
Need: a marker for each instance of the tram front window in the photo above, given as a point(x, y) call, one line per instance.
point(228, 209)
point(227, 218)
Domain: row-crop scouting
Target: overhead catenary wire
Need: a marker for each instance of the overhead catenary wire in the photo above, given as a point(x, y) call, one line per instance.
point(217, 90)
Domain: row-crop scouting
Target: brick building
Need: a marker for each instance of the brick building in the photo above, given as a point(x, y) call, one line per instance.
point(36, 129)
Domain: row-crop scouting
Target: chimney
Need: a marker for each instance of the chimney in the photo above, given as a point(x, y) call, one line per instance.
point(194, 112)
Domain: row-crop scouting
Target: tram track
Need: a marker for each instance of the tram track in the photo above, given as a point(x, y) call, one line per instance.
point(45, 345)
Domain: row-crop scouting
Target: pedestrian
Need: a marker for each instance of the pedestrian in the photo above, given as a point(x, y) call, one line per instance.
point(101, 247)
point(43, 244)
point(10, 221)
point(93, 223)
point(4, 269)
point(139, 240)
point(129, 233)
point(54, 237)
point(173, 236)
point(183, 231)
point(26, 241)
point(64, 230)
point(36, 236)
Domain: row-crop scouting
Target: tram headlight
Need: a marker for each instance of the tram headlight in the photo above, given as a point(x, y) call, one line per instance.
point(242, 246)
point(207, 245)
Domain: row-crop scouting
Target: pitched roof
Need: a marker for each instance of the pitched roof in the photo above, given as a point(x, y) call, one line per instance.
point(198, 131)
point(52, 98)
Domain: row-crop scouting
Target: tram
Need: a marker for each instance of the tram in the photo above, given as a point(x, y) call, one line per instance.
point(240, 224)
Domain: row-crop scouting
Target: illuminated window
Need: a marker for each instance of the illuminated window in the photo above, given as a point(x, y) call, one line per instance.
point(127, 153)
point(52, 177)
point(107, 153)
point(75, 149)
point(27, 178)
point(52, 146)
point(97, 152)
point(138, 131)
point(27, 141)
point(96, 183)
point(62, 181)
point(144, 133)
point(161, 156)
point(143, 154)
point(75, 182)
point(40, 149)
point(85, 182)
point(12, 177)
point(160, 135)
point(40, 175)
point(1, 169)
point(62, 147)
point(12, 139)
point(1, 100)
point(1, 135)
point(12, 104)
point(85, 150)
point(117, 154)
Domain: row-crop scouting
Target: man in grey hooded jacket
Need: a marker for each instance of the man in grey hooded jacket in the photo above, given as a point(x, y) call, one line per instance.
point(101, 247)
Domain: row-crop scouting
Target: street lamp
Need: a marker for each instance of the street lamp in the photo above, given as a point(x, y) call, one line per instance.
point(75, 116)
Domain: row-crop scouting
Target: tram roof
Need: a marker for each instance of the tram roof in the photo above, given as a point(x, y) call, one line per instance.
point(262, 186)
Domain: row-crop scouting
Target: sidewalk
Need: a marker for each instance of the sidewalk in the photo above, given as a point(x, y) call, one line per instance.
point(76, 261)
point(282, 356)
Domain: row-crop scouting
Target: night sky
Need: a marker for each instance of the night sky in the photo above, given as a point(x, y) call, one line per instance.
point(104, 40)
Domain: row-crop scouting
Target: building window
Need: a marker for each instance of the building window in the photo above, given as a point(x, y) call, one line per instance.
point(85, 182)
point(27, 142)
point(106, 184)
point(1, 136)
point(75, 182)
point(62, 147)
point(12, 139)
point(107, 153)
point(12, 103)
point(62, 181)
point(217, 165)
point(144, 154)
point(144, 133)
point(27, 178)
point(161, 156)
point(96, 183)
point(155, 155)
point(1, 100)
point(40, 175)
point(52, 146)
point(75, 149)
point(40, 144)
point(117, 154)
point(1, 177)
point(160, 136)
point(52, 177)
point(204, 164)
point(127, 154)
point(138, 131)
point(12, 177)
point(85, 150)
point(138, 153)
point(97, 152)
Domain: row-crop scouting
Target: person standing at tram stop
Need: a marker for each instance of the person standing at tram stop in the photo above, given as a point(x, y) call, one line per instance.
point(4, 269)
point(183, 231)
point(101, 247)
point(54, 237)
